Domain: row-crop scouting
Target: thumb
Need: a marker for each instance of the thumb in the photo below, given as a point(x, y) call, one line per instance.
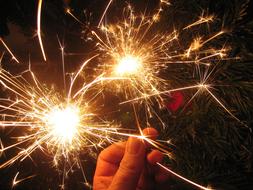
point(131, 166)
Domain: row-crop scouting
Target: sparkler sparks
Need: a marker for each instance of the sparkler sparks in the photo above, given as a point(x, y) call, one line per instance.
point(8, 49)
point(105, 11)
point(130, 49)
point(17, 181)
point(39, 29)
point(202, 19)
point(61, 128)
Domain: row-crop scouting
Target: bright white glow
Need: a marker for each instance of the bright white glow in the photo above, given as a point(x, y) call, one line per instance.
point(64, 123)
point(128, 65)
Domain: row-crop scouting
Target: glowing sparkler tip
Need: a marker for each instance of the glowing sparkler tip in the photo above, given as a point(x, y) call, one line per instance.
point(68, 10)
point(203, 86)
point(64, 122)
point(128, 65)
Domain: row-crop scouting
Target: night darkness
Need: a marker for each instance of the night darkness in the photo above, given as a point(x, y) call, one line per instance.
point(226, 157)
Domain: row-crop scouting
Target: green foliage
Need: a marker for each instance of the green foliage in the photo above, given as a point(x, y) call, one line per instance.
point(210, 145)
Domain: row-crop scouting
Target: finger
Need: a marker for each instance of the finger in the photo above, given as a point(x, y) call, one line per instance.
point(130, 167)
point(102, 182)
point(107, 165)
point(154, 156)
point(109, 159)
point(150, 133)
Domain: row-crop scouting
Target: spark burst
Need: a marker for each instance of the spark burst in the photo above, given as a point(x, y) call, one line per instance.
point(130, 51)
point(130, 48)
point(63, 127)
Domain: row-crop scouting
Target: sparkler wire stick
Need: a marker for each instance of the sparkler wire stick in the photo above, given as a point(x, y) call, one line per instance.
point(183, 178)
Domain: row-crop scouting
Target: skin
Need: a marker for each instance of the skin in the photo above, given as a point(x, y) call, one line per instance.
point(129, 165)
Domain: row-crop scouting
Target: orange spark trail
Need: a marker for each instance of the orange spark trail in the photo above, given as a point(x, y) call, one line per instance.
point(224, 107)
point(163, 92)
point(103, 15)
point(8, 49)
point(183, 178)
point(15, 181)
point(201, 20)
point(39, 29)
point(68, 11)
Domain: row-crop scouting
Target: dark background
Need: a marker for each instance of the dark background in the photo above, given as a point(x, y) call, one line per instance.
point(18, 29)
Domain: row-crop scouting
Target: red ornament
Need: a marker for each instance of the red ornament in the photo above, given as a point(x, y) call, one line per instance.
point(176, 101)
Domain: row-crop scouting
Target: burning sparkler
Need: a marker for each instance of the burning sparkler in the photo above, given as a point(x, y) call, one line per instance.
point(63, 128)
point(130, 49)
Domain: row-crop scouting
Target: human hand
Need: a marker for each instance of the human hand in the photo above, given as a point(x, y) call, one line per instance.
point(127, 166)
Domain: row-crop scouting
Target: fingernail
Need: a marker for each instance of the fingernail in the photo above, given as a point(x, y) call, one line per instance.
point(133, 145)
